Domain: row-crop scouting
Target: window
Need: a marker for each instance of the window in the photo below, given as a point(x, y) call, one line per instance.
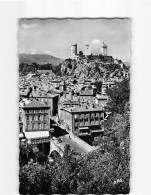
point(82, 119)
point(102, 116)
point(97, 116)
point(92, 118)
point(44, 125)
point(34, 126)
point(30, 126)
point(30, 111)
point(39, 126)
point(27, 118)
point(38, 117)
point(37, 111)
point(41, 117)
point(76, 118)
point(27, 126)
point(44, 117)
point(86, 117)
point(33, 117)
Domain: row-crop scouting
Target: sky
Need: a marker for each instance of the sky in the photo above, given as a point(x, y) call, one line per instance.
point(54, 36)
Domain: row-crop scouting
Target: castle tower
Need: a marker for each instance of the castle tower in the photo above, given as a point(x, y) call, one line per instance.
point(87, 51)
point(104, 49)
point(73, 51)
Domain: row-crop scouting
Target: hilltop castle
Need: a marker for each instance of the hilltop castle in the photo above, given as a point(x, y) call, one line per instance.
point(87, 50)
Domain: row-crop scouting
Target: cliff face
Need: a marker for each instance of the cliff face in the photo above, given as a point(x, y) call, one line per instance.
point(96, 68)
point(68, 67)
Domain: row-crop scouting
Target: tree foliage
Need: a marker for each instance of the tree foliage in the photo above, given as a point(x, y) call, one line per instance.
point(96, 172)
point(28, 152)
point(119, 95)
point(25, 68)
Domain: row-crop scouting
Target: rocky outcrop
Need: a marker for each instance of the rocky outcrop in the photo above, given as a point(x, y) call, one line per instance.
point(96, 68)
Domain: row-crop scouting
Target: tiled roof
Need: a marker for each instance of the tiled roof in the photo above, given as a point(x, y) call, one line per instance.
point(35, 104)
point(35, 93)
point(83, 109)
point(71, 102)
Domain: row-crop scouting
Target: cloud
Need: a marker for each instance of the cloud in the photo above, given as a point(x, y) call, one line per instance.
point(95, 41)
point(29, 26)
point(33, 51)
point(46, 52)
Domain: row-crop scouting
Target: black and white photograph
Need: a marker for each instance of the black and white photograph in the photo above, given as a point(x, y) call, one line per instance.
point(74, 105)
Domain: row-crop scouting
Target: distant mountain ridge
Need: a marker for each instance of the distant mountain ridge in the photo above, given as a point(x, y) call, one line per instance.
point(39, 59)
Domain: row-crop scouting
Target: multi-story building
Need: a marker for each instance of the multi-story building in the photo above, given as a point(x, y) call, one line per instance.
point(36, 124)
point(87, 95)
point(107, 85)
point(47, 99)
point(83, 121)
point(101, 100)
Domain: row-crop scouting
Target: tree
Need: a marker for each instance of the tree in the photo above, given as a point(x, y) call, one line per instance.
point(98, 85)
point(65, 172)
point(28, 152)
point(81, 54)
point(118, 96)
point(35, 179)
point(25, 153)
point(116, 143)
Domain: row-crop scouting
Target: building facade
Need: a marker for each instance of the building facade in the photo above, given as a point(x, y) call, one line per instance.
point(48, 100)
point(36, 125)
point(83, 121)
point(36, 117)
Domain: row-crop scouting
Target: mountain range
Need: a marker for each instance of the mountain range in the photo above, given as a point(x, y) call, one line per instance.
point(39, 59)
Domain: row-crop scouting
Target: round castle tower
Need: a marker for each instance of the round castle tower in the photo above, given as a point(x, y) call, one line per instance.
point(104, 49)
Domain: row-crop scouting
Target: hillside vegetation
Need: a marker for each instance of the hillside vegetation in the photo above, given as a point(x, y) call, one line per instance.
point(39, 59)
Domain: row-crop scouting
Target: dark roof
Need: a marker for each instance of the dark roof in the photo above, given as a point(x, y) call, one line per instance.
point(83, 109)
point(71, 102)
point(36, 104)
